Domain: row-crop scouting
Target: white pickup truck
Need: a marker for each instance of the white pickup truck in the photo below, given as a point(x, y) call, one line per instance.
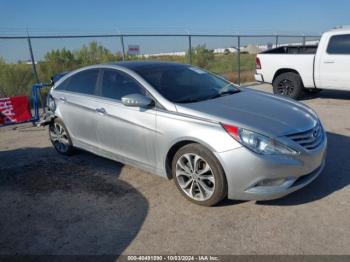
point(295, 69)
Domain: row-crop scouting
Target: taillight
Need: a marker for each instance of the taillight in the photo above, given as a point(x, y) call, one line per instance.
point(257, 63)
point(232, 130)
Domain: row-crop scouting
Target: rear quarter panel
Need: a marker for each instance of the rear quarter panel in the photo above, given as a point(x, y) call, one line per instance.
point(303, 64)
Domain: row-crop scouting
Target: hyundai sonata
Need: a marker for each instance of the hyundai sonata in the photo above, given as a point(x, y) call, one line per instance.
point(178, 121)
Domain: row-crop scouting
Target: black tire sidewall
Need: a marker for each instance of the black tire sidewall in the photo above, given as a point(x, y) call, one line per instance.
point(220, 191)
point(295, 78)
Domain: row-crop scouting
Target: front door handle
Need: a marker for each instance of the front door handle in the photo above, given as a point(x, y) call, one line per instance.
point(100, 110)
point(63, 99)
point(329, 61)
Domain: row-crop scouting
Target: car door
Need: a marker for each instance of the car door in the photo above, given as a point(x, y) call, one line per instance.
point(335, 63)
point(128, 133)
point(77, 104)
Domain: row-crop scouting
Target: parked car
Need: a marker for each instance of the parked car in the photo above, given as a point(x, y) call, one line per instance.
point(295, 69)
point(181, 122)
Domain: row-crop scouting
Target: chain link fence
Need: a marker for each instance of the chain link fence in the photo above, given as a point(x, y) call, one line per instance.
point(34, 58)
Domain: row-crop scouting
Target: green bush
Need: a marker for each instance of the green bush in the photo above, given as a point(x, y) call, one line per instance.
point(15, 79)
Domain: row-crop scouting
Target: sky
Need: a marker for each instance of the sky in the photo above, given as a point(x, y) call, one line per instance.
point(160, 16)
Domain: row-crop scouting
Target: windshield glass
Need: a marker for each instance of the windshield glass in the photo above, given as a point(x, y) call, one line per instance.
point(185, 84)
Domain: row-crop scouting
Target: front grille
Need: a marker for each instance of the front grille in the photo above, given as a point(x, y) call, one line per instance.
point(309, 139)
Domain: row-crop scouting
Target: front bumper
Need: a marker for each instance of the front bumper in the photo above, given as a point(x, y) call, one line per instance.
point(245, 171)
point(46, 119)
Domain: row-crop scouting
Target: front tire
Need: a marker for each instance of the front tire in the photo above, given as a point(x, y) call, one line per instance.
point(60, 138)
point(288, 84)
point(198, 175)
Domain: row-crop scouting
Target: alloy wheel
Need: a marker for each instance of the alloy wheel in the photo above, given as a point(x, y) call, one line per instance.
point(195, 177)
point(286, 87)
point(59, 137)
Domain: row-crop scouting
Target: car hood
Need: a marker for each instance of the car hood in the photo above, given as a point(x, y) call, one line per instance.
point(255, 110)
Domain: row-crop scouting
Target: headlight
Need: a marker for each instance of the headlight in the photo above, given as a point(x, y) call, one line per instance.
point(258, 143)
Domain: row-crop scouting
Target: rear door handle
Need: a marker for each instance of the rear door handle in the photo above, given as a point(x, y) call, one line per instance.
point(63, 99)
point(100, 110)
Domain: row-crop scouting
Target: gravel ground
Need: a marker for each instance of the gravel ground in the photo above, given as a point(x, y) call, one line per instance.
point(87, 205)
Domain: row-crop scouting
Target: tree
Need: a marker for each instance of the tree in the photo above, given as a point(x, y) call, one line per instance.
point(95, 53)
point(57, 61)
point(201, 56)
point(15, 79)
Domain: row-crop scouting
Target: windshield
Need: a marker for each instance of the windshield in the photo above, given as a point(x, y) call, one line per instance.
point(185, 84)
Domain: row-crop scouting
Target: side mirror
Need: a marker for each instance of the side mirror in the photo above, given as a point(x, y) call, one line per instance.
point(137, 100)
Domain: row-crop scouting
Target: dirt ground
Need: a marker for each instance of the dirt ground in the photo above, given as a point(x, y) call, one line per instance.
point(87, 205)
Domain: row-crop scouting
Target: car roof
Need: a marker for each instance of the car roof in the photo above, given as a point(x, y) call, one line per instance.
point(134, 65)
point(341, 29)
point(130, 65)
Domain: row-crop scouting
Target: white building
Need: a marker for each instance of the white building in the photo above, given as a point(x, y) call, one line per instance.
point(224, 50)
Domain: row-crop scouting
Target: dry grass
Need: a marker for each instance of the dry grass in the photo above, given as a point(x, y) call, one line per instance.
point(246, 76)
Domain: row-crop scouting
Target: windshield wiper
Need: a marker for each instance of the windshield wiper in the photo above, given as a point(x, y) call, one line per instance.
point(228, 92)
point(224, 93)
point(189, 100)
point(198, 99)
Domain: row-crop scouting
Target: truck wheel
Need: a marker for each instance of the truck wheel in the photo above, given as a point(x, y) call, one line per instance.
point(288, 84)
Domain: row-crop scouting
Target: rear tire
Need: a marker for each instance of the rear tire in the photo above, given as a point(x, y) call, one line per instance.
point(198, 175)
point(60, 137)
point(288, 84)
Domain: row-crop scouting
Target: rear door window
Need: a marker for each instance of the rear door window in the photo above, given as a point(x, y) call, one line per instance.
point(339, 45)
point(83, 82)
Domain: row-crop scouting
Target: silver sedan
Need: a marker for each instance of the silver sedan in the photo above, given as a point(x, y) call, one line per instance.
point(178, 121)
